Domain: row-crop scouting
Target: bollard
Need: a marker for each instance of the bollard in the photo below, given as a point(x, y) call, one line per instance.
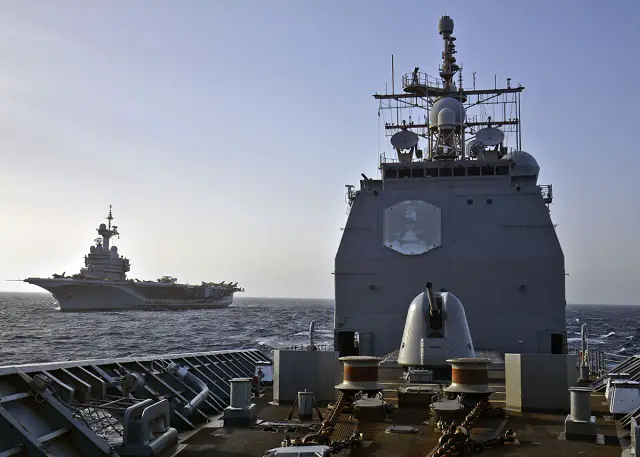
point(360, 374)
point(469, 376)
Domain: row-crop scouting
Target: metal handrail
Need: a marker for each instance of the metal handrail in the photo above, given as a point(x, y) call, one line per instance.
point(419, 78)
point(305, 347)
point(599, 361)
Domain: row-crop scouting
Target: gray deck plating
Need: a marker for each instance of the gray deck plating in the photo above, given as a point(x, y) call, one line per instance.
point(81, 410)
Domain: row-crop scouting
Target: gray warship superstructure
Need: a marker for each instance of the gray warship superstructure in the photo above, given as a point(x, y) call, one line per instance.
point(459, 204)
point(103, 285)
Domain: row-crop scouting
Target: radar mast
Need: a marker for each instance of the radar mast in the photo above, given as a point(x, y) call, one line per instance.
point(106, 232)
point(452, 123)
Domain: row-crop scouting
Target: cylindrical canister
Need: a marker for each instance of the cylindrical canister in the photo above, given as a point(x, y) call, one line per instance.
point(580, 404)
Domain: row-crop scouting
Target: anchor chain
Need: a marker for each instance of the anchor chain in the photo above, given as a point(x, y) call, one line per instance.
point(353, 441)
point(456, 438)
point(323, 435)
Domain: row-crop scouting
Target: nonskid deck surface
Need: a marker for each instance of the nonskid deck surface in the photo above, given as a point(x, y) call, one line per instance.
point(537, 434)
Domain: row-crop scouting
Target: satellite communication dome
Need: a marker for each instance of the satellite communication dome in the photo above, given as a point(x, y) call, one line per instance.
point(103, 226)
point(446, 118)
point(450, 103)
point(92, 249)
point(526, 164)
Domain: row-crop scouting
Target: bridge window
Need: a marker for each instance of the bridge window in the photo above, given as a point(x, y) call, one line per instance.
point(457, 171)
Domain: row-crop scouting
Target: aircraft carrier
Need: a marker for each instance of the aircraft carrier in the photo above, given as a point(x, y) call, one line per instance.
point(450, 335)
point(103, 285)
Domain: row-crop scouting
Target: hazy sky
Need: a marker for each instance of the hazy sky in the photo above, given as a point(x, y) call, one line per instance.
point(223, 132)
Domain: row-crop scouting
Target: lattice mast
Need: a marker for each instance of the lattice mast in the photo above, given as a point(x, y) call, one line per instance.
point(456, 123)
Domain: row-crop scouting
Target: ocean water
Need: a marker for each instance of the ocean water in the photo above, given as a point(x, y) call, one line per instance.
point(33, 330)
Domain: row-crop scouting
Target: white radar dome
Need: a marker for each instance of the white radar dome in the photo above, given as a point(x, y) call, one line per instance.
point(453, 104)
point(446, 118)
point(526, 164)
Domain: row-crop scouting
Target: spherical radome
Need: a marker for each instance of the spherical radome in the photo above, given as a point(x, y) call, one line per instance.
point(526, 164)
point(446, 118)
point(450, 103)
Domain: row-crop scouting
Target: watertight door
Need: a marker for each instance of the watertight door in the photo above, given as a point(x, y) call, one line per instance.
point(366, 344)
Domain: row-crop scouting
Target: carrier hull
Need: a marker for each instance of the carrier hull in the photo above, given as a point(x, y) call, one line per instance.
point(83, 295)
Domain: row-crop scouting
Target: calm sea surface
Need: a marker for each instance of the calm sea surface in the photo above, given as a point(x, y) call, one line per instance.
point(33, 330)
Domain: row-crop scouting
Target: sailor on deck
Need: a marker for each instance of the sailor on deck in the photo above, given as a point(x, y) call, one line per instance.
point(256, 382)
point(414, 77)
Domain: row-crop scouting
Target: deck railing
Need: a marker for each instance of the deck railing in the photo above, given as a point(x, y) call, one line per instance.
point(420, 79)
point(305, 347)
point(600, 362)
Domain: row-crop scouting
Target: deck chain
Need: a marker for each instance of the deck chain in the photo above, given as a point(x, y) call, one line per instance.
point(456, 439)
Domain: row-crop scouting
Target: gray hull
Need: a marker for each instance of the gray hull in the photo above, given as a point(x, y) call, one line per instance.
point(75, 295)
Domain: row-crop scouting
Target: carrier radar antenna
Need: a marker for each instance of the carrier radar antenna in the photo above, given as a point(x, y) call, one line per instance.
point(110, 217)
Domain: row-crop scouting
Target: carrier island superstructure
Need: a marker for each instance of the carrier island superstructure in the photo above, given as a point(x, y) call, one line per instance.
point(458, 204)
point(103, 285)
